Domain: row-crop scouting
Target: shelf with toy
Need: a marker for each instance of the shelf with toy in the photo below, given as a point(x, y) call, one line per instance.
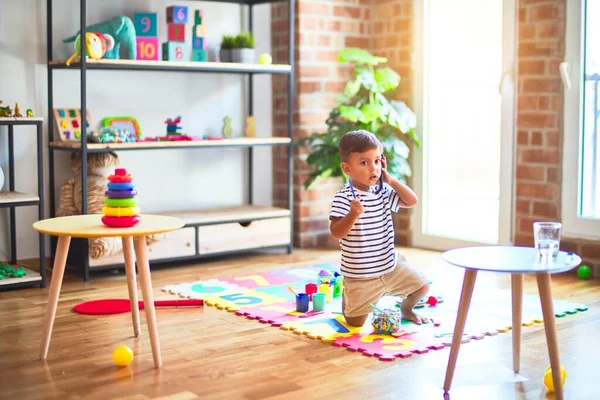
point(22, 275)
point(181, 66)
point(155, 145)
point(14, 199)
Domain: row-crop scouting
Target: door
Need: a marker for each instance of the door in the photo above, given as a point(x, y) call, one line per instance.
point(464, 98)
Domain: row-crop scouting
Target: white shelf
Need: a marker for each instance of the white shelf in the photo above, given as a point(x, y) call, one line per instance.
point(20, 119)
point(228, 214)
point(31, 276)
point(17, 198)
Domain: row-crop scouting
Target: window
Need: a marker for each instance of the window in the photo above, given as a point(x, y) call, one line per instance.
point(581, 163)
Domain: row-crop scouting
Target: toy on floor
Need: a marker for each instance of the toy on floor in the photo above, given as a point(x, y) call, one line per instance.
point(8, 271)
point(96, 46)
point(385, 322)
point(118, 306)
point(122, 356)
point(121, 29)
point(584, 272)
point(120, 210)
point(549, 382)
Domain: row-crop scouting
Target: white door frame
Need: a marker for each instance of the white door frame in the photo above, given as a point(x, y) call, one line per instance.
point(507, 87)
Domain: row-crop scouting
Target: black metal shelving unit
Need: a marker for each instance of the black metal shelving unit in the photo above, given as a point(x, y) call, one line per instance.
point(80, 250)
point(13, 199)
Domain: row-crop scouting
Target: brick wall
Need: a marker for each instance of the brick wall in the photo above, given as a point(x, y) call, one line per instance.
point(323, 28)
point(539, 123)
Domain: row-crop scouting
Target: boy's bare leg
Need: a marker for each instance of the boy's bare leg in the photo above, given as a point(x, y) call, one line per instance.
point(410, 302)
point(353, 321)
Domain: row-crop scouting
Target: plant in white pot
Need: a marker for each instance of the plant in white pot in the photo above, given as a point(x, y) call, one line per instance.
point(227, 44)
point(243, 51)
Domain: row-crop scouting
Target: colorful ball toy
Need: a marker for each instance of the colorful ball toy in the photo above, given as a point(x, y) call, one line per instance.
point(122, 356)
point(120, 207)
point(584, 272)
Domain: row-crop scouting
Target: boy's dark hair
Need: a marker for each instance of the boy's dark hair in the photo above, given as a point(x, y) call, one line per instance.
point(357, 142)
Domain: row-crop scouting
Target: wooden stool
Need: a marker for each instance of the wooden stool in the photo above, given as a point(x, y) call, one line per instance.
point(515, 261)
point(134, 240)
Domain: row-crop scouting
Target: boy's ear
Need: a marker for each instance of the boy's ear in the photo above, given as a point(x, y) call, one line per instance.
point(346, 168)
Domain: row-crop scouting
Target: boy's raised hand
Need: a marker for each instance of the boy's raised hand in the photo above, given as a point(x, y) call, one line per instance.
point(356, 207)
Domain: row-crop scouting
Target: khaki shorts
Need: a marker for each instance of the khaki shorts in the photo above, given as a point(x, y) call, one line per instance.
point(360, 293)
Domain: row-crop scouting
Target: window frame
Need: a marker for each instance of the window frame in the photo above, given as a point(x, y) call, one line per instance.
point(574, 225)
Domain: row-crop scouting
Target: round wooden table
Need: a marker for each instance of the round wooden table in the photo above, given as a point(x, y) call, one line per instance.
point(516, 261)
point(134, 241)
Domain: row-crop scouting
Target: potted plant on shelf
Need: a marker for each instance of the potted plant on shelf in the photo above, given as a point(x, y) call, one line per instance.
point(363, 105)
point(227, 43)
point(243, 51)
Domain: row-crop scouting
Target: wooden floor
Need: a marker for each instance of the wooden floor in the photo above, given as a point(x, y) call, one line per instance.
point(211, 354)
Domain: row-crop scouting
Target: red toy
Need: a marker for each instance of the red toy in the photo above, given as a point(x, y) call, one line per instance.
point(120, 176)
point(121, 188)
point(117, 306)
point(310, 289)
point(121, 222)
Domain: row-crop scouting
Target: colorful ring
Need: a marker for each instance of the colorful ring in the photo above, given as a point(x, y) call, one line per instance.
point(120, 186)
point(120, 222)
point(120, 211)
point(120, 178)
point(121, 194)
point(130, 202)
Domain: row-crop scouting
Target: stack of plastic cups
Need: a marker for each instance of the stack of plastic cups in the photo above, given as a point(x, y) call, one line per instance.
point(120, 210)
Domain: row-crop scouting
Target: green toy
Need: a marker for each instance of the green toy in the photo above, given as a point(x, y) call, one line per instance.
point(29, 113)
point(121, 29)
point(5, 111)
point(584, 272)
point(7, 270)
point(227, 129)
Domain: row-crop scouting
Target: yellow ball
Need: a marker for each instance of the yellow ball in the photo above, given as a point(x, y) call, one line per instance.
point(549, 383)
point(122, 356)
point(265, 59)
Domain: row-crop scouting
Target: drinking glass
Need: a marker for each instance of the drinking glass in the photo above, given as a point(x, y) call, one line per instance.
point(547, 239)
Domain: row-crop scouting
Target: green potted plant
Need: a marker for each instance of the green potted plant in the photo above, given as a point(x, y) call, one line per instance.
point(364, 105)
point(227, 43)
point(243, 49)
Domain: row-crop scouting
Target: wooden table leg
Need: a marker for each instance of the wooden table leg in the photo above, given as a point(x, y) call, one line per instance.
point(545, 289)
point(128, 255)
point(459, 327)
point(517, 318)
point(58, 271)
point(146, 283)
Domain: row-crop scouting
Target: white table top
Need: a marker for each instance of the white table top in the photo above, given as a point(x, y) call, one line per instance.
point(509, 259)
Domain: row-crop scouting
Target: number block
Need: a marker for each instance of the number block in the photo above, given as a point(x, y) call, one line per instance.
point(176, 32)
point(177, 15)
point(146, 24)
point(197, 17)
point(199, 43)
point(175, 51)
point(199, 31)
point(147, 48)
point(199, 55)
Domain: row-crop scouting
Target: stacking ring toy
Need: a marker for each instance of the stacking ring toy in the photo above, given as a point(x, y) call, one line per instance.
point(120, 186)
point(120, 211)
point(117, 178)
point(121, 194)
point(120, 222)
point(120, 202)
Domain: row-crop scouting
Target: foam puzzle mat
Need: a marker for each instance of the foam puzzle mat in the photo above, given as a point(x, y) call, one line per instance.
point(265, 298)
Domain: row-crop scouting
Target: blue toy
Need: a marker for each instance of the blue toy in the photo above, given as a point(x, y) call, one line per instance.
point(173, 125)
point(146, 24)
point(121, 29)
point(177, 15)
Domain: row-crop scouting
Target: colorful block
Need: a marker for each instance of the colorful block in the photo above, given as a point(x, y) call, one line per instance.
point(177, 14)
point(198, 31)
point(176, 32)
point(199, 55)
point(146, 24)
point(198, 43)
point(197, 17)
point(175, 51)
point(147, 48)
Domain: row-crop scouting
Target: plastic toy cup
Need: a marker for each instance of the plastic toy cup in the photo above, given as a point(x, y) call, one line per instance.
point(302, 302)
point(547, 239)
point(328, 290)
point(319, 301)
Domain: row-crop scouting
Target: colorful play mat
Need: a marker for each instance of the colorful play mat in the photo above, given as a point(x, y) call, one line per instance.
point(267, 299)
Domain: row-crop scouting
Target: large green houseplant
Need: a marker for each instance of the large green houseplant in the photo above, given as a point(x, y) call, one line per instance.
point(363, 105)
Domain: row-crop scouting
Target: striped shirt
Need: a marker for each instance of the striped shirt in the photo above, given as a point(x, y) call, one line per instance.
point(368, 249)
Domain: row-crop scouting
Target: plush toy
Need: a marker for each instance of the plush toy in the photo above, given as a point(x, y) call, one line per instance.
point(121, 29)
point(100, 165)
point(96, 46)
